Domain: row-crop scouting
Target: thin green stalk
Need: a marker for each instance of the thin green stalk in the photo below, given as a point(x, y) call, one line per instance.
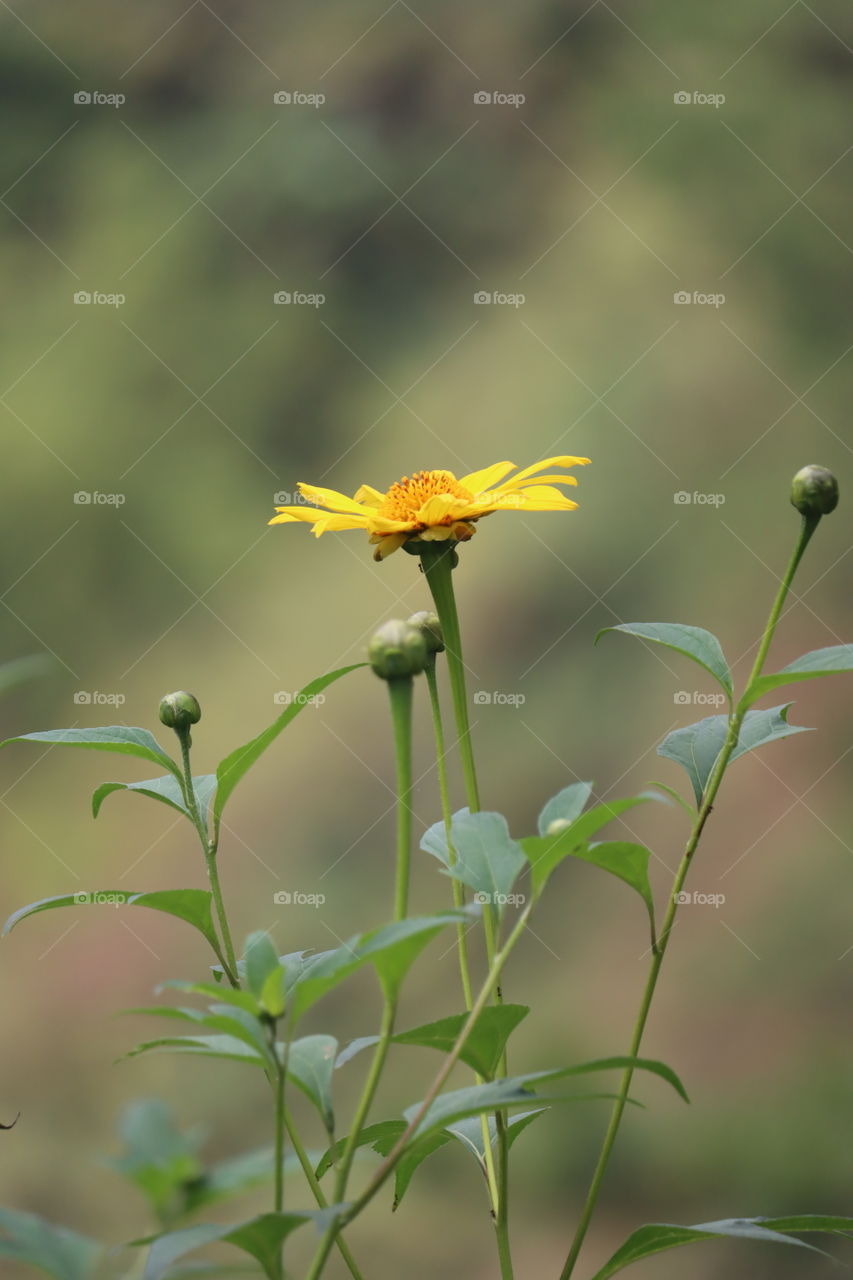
point(316, 1190)
point(459, 901)
point(437, 560)
point(400, 691)
point(389, 1164)
point(710, 794)
point(229, 962)
point(279, 1091)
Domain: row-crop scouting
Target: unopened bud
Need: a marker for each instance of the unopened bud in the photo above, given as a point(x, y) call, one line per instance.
point(814, 491)
point(430, 628)
point(179, 710)
point(397, 650)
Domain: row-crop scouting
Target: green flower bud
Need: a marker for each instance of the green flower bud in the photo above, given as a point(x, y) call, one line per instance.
point(179, 710)
point(814, 491)
point(397, 650)
point(430, 627)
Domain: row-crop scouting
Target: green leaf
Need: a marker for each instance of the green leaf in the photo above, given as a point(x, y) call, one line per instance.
point(545, 853)
point(236, 765)
point(191, 905)
point(694, 642)
point(236, 1175)
point(658, 1236)
point(166, 789)
point(820, 662)
point(262, 1237)
point(627, 861)
point(392, 949)
point(565, 806)
point(159, 1159)
point(674, 795)
point(260, 960)
point(469, 1133)
point(228, 995)
point(516, 1091)
point(355, 1046)
point(233, 1021)
point(697, 746)
point(60, 1253)
point(310, 1064)
point(228, 1047)
point(114, 737)
point(381, 1136)
point(485, 1044)
point(488, 860)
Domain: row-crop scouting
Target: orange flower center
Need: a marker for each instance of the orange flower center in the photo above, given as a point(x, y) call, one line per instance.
point(404, 499)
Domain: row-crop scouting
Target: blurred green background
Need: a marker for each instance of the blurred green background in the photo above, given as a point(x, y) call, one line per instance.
point(197, 399)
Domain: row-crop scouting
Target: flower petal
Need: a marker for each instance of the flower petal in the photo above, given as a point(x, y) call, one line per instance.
point(564, 460)
point(288, 514)
point(337, 523)
point(539, 498)
point(331, 499)
point(369, 496)
point(443, 507)
point(391, 542)
point(477, 482)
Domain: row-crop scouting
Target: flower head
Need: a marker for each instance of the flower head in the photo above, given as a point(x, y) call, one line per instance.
point(433, 506)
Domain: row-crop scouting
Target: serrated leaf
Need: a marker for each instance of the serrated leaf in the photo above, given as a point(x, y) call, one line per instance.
point(697, 746)
point(696, 643)
point(488, 860)
point(120, 738)
point(167, 789)
point(236, 765)
point(311, 1064)
point(545, 853)
point(658, 1236)
point(62, 1254)
point(485, 1044)
point(565, 806)
point(819, 662)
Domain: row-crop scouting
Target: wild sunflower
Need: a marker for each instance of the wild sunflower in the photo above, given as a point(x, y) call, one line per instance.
point(433, 506)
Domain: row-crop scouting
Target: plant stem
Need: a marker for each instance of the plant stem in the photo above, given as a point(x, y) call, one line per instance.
point(279, 1091)
point(390, 1162)
point(400, 692)
point(437, 559)
point(459, 901)
point(229, 962)
point(709, 796)
point(316, 1189)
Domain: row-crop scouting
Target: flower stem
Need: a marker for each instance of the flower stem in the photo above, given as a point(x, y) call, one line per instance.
point(391, 1161)
point(400, 692)
point(316, 1190)
point(712, 786)
point(229, 960)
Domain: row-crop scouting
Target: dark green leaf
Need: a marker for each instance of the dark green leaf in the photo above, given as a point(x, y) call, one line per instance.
point(114, 737)
point(658, 1236)
point(61, 1253)
point(310, 1063)
point(239, 762)
point(488, 860)
point(820, 662)
point(380, 1136)
point(166, 789)
point(260, 959)
point(565, 806)
point(469, 1133)
point(694, 642)
point(697, 746)
point(262, 1237)
point(628, 862)
point(486, 1042)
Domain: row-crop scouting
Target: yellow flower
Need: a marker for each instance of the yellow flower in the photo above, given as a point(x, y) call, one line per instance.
point(433, 506)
